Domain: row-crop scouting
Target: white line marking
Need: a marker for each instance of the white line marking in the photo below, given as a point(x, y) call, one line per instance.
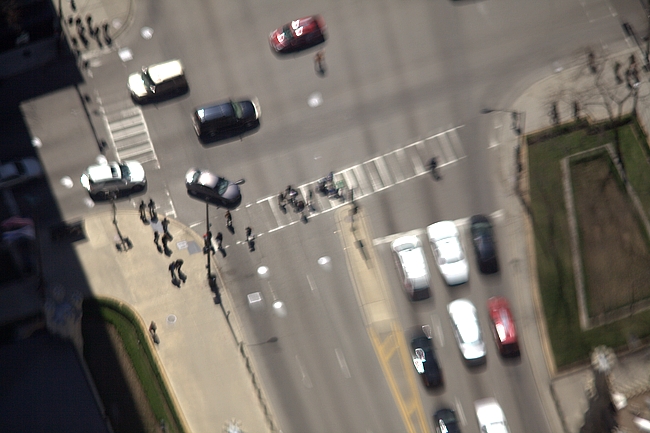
point(459, 411)
point(435, 321)
point(390, 238)
point(342, 363)
point(305, 378)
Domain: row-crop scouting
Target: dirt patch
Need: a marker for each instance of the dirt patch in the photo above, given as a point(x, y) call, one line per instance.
point(615, 252)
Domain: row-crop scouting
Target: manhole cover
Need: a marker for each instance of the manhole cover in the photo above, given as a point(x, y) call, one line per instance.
point(171, 319)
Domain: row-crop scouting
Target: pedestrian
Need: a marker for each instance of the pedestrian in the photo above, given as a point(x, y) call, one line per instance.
point(231, 229)
point(152, 210)
point(310, 201)
point(303, 218)
point(172, 268)
point(319, 63)
point(207, 243)
point(282, 203)
point(165, 226)
point(178, 263)
point(156, 237)
point(143, 213)
point(153, 328)
point(166, 249)
point(433, 166)
point(250, 239)
point(219, 238)
point(107, 37)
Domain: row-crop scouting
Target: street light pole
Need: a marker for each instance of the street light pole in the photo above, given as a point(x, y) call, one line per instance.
point(207, 249)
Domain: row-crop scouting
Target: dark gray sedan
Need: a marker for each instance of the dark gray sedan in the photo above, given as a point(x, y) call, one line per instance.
point(206, 186)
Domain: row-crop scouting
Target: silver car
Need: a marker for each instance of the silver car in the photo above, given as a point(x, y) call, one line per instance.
point(114, 179)
point(413, 266)
point(467, 330)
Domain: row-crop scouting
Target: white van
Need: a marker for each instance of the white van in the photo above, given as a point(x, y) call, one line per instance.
point(159, 80)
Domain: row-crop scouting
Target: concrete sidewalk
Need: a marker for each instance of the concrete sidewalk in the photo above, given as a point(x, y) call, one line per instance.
point(199, 349)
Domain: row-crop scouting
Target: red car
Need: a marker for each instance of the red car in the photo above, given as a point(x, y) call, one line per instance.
point(503, 326)
point(298, 35)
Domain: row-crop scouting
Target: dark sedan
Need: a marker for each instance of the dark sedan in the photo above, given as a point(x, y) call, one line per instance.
point(484, 244)
point(445, 421)
point(298, 35)
point(424, 359)
point(205, 186)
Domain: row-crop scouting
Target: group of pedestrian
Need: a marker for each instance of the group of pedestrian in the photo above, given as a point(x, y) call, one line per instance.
point(291, 196)
point(208, 246)
point(99, 33)
point(152, 212)
point(177, 275)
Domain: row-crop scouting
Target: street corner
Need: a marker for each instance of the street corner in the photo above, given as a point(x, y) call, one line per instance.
point(92, 26)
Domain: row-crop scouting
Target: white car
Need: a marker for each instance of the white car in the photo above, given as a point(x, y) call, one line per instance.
point(467, 330)
point(413, 266)
point(15, 172)
point(115, 179)
point(490, 416)
point(449, 254)
point(157, 80)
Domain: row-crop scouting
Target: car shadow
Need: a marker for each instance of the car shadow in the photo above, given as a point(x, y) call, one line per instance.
point(119, 195)
point(225, 137)
point(161, 99)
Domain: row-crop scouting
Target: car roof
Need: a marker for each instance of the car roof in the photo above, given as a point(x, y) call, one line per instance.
point(441, 230)
point(207, 179)
point(450, 249)
point(502, 317)
point(215, 110)
point(489, 411)
point(163, 71)
point(102, 172)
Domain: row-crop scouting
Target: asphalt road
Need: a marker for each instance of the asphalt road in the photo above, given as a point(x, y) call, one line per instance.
point(397, 73)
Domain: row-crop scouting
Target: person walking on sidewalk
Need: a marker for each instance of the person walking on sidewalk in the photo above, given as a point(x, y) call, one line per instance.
point(165, 226)
point(143, 212)
point(156, 237)
point(152, 210)
point(175, 280)
point(177, 265)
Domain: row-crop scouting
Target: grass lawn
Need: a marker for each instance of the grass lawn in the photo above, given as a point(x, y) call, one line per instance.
point(552, 242)
point(123, 368)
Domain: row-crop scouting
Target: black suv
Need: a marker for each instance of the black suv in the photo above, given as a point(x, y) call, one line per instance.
point(484, 244)
point(227, 119)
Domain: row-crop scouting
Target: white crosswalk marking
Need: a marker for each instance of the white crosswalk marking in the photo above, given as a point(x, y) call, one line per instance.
point(363, 179)
point(128, 131)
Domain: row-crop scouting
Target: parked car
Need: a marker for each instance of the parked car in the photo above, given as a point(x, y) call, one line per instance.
point(503, 326)
point(226, 119)
point(206, 186)
point(114, 179)
point(491, 418)
point(424, 359)
point(450, 257)
point(298, 35)
point(467, 330)
point(445, 421)
point(15, 172)
point(413, 266)
point(484, 244)
point(157, 81)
